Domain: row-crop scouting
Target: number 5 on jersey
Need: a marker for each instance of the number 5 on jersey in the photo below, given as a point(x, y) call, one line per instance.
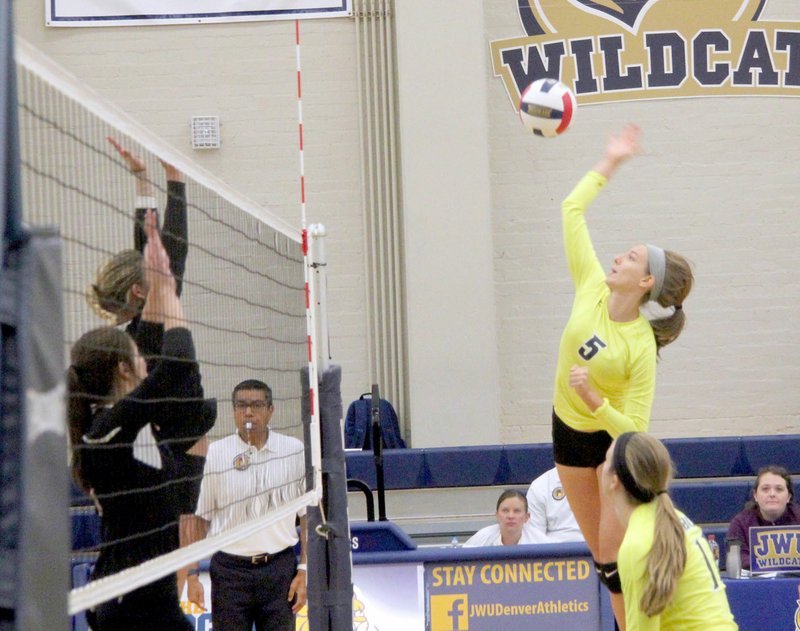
point(591, 348)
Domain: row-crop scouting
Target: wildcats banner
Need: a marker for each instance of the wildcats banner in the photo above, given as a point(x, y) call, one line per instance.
point(511, 594)
point(623, 50)
point(774, 549)
point(138, 12)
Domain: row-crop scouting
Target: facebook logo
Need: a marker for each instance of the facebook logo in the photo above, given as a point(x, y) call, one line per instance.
point(449, 612)
point(458, 607)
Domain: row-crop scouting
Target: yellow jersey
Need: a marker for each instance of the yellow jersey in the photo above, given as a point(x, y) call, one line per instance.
point(621, 356)
point(699, 602)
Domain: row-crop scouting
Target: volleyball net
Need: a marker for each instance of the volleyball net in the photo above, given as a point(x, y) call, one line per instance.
point(244, 288)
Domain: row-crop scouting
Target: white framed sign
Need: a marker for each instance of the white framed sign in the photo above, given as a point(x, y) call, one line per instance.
point(147, 12)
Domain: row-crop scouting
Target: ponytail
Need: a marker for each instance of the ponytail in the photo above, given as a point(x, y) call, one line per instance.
point(110, 294)
point(79, 419)
point(667, 558)
point(643, 465)
point(678, 281)
point(90, 382)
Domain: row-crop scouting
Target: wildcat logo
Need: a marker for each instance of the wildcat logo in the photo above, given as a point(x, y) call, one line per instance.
point(623, 50)
point(360, 620)
point(797, 613)
point(628, 13)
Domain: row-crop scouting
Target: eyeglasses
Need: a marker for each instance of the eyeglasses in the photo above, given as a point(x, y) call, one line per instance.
point(258, 404)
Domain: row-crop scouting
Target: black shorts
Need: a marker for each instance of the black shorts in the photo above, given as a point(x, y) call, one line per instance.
point(572, 448)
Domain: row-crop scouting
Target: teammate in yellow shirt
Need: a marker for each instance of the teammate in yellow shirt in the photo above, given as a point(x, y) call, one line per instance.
point(606, 371)
point(669, 577)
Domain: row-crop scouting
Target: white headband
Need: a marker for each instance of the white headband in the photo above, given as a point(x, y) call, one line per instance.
point(657, 263)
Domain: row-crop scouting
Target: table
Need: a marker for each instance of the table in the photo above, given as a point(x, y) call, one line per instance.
point(765, 604)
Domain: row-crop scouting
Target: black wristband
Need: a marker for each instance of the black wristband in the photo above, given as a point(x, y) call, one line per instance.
point(193, 572)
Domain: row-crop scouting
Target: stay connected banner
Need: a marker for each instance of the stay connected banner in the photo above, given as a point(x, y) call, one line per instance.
point(146, 12)
point(506, 594)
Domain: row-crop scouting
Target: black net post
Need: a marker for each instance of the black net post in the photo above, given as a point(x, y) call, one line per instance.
point(330, 587)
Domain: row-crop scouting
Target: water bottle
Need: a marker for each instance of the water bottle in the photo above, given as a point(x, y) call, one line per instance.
point(454, 542)
point(712, 543)
point(733, 560)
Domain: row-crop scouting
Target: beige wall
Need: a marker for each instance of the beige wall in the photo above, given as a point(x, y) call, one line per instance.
point(487, 285)
point(446, 195)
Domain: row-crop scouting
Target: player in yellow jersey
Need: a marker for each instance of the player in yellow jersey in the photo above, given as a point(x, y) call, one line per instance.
point(669, 577)
point(606, 371)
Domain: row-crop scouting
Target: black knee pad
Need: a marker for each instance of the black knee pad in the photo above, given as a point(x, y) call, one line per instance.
point(609, 576)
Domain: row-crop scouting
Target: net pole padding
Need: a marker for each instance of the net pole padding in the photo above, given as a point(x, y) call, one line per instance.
point(104, 589)
point(330, 587)
point(340, 552)
point(44, 521)
point(28, 56)
point(319, 264)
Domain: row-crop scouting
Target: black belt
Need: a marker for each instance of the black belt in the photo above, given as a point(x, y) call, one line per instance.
point(256, 559)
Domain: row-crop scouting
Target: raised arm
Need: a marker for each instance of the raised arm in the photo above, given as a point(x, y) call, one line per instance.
point(145, 192)
point(162, 304)
point(175, 231)
point(620, 147)
point(582, 261)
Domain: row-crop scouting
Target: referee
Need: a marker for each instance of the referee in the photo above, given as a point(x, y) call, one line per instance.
point(255, 580)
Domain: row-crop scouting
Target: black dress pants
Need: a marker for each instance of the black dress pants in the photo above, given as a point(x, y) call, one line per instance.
point(244, 593)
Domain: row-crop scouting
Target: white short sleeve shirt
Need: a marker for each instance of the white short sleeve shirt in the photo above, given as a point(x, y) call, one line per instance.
point(550, 511)
point(490, 536)
point(231, 496)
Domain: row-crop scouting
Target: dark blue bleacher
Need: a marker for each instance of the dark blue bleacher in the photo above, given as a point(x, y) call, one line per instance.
point(489, 465)
point(85, 527)
point(495, 465)
point(713, 475)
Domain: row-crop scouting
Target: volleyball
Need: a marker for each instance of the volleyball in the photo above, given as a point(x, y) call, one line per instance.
point(547, 107)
